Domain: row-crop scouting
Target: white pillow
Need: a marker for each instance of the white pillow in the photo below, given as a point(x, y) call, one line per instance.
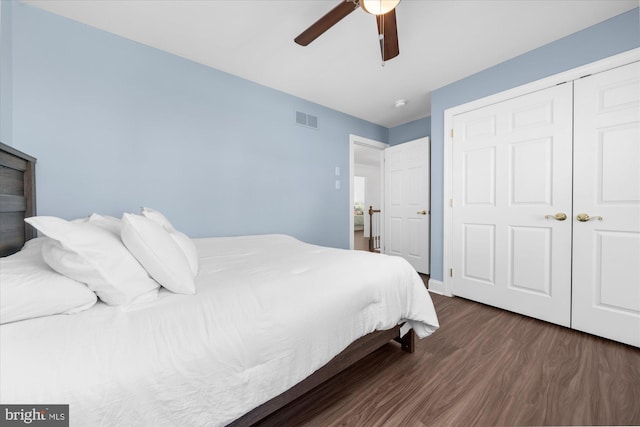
point(92, 255)
point(185, 243)
point(158, 253)
point(109, 223)
point(188, 249)
point(158, 218)
point(30, 288)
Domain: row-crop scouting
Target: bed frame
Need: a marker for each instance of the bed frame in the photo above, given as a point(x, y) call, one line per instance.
point(17, 198)
point(18, 201)
point(356, 351)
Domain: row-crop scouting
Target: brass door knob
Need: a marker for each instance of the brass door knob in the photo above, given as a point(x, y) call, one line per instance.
point(560, 216)
point(583, 217)
point(422, 212)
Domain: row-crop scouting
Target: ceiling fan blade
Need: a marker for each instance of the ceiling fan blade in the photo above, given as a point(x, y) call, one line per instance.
point(389, 43)
point(326, 22)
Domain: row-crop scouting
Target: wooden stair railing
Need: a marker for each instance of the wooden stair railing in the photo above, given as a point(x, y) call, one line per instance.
point(374, 230)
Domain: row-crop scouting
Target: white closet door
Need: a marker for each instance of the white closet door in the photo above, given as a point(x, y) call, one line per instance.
point(407, 202)
point(606, 252)
point(512, 168)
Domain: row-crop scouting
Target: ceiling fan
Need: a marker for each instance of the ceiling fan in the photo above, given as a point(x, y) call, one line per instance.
point(385, 13)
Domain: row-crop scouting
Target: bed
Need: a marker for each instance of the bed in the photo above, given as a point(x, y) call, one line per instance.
point(271, 318)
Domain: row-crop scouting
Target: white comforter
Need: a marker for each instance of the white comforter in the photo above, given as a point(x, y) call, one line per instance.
point(269, 311)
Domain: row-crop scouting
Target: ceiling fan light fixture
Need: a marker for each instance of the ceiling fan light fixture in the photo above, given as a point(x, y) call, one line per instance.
point(378, 7)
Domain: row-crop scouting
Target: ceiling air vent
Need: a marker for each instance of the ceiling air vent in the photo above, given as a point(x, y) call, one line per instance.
point(306, 120)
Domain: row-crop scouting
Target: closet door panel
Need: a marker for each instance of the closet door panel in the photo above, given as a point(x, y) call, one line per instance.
point(606, 247)
point(512, 174)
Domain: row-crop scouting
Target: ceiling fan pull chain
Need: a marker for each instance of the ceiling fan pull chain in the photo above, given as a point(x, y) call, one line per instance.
point(381, 36)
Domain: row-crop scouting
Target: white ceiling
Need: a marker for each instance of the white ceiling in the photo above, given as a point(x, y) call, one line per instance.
point(441, 41)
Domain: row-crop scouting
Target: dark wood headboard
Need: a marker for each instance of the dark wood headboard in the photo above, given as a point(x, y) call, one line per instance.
point(17, 198)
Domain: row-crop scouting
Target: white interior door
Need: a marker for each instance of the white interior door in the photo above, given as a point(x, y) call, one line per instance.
point(511, 176)
point(606, 252)
point(407, 202)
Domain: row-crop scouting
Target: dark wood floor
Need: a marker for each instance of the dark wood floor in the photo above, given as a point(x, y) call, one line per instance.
point(483, 367)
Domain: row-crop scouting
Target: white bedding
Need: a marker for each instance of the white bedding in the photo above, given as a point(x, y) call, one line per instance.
point(269, 311)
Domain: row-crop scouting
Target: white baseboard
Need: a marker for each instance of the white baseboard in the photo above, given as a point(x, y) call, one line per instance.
point(437, 287)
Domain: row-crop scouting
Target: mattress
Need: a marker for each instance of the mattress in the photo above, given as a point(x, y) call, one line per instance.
point(268, 312)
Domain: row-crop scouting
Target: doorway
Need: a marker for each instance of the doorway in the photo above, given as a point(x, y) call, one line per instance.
point(366, 182)
point(361, 242)
point(397, 190)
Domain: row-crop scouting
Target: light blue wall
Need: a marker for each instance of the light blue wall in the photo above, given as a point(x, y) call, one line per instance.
point(116, 125)
point(608, 38)
point(5, 72)
point(410, 131)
